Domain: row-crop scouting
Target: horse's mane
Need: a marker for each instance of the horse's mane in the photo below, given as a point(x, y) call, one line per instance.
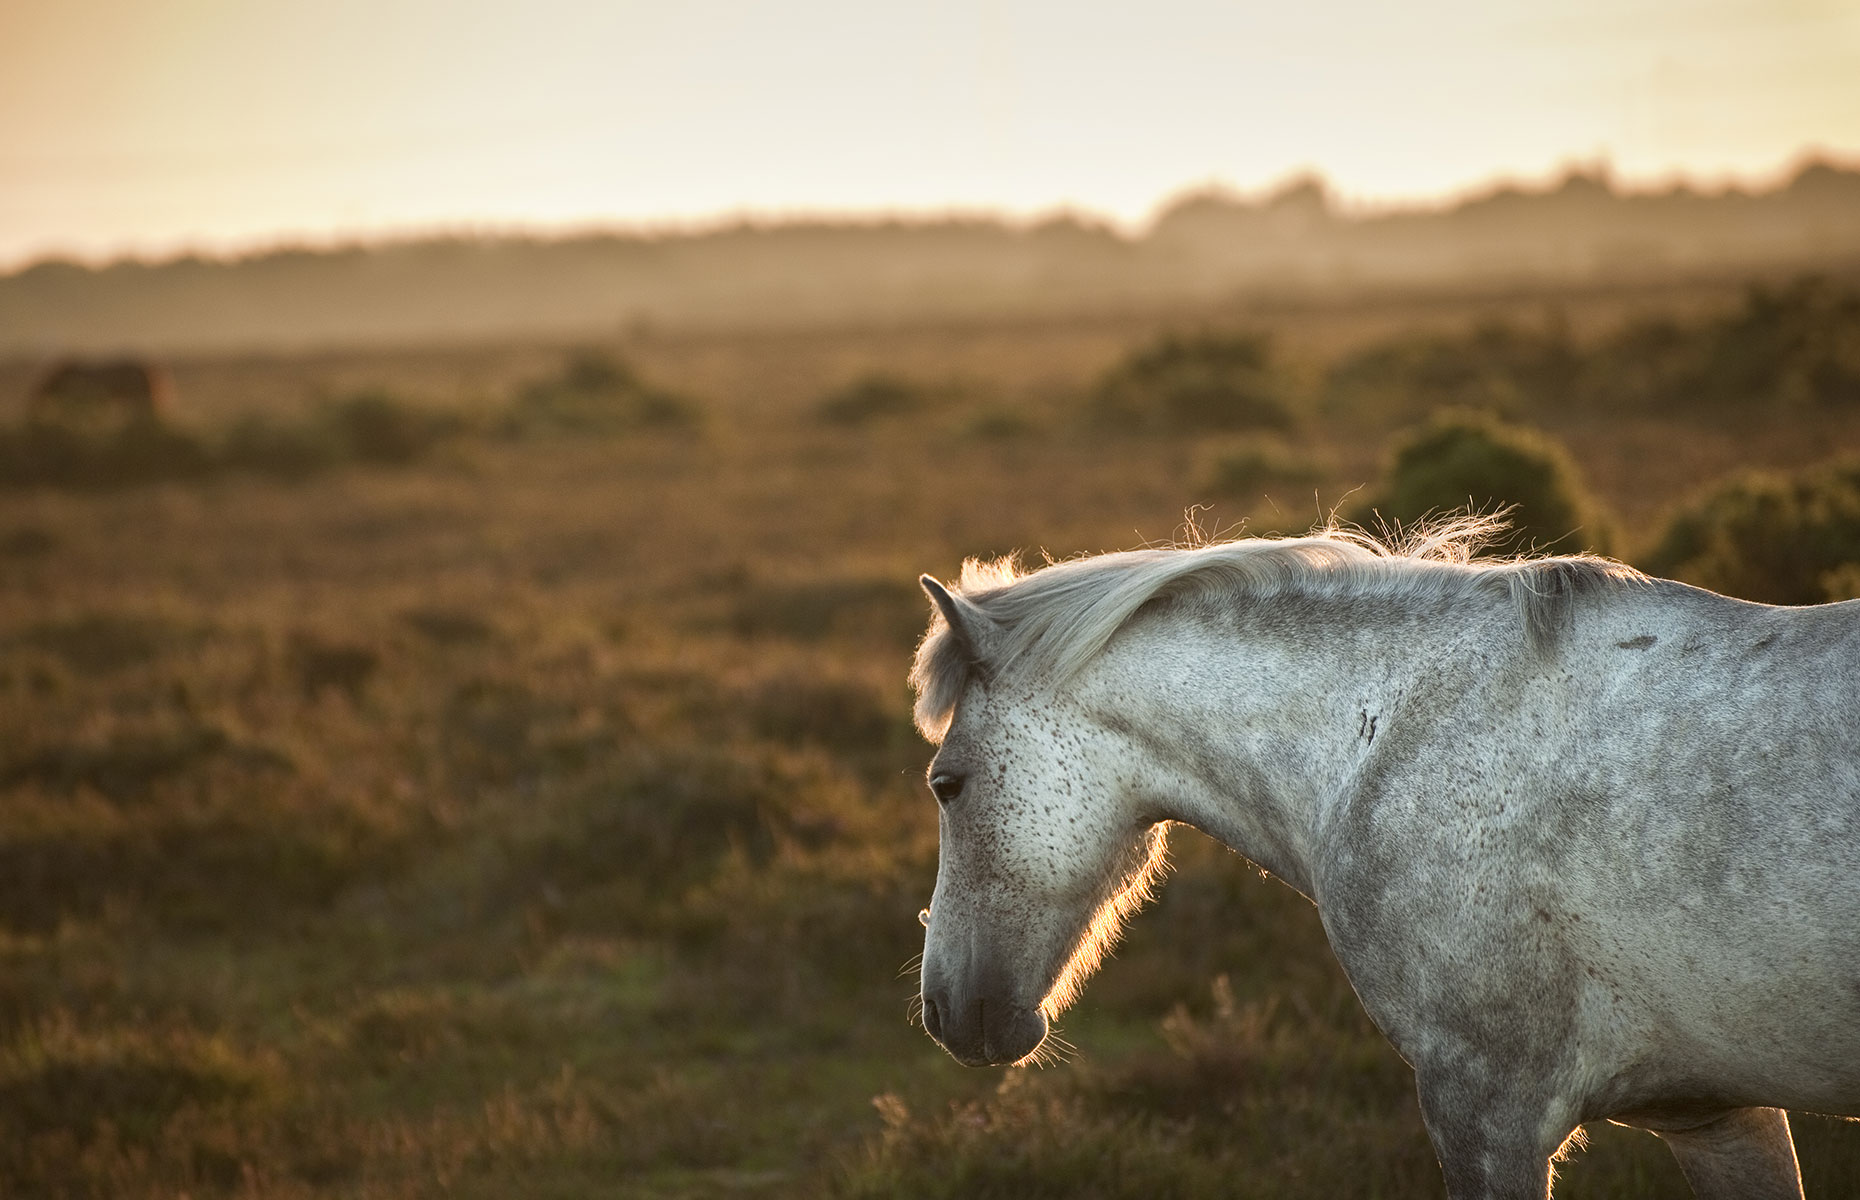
point(1055, 618)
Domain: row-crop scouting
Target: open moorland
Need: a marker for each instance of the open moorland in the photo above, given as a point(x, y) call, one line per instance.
point(486, 770)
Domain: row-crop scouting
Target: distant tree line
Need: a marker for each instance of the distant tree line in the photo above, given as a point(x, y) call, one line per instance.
point(1204, 247)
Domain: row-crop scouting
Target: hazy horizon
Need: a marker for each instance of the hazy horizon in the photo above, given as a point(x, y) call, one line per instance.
point(260, 244)
point(130, 130)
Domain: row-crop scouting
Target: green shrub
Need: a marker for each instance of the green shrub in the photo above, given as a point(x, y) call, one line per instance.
point(999, 423)
point(597, 395)
point(1258, 467)
point(1842, 583)
point(376, 426)
point(143, 451)
point(1797, 345)
point(1496, 365)
point(1188, 382)
point(151, 451)
point(265, 447)
point(372, 426)
point(1463, 460)
point(1779, 539)
point(1794, 345)
point(872, 398)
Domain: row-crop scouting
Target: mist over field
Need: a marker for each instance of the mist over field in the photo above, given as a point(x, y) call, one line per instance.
point(1296, 243)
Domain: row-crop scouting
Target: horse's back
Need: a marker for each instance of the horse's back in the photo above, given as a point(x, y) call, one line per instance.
point(1710, 794)
point(1731, 702)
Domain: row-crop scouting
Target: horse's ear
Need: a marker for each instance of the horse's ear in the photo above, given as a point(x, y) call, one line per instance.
point(968, 624)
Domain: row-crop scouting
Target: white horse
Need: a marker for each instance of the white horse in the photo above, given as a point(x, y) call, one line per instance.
point(1586, 843)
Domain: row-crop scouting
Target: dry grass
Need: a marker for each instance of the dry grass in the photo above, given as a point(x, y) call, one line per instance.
point(542, 818)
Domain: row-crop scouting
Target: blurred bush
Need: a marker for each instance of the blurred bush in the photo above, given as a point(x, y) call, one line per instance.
point(1843, 582)
point(594, 394)
point(1189, 382)
point(1797, 345)
point(1774, 538)
point(1260, 466)
point(376, 426)
point(999, 423)
point(1496, 366)
point(871, 398)
point(1462, 460)
point(146, 450)
point(370, 426)
point(261, 446)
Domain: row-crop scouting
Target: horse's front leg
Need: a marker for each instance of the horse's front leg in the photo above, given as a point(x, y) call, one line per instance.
point(1494, 1142)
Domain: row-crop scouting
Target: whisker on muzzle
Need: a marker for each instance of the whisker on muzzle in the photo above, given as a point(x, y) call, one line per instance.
point(1054, 1051)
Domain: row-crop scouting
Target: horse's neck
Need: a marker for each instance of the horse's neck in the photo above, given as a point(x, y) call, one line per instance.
point(1263, 732)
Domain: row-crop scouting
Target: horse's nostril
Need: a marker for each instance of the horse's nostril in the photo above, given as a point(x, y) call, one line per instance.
point(933, 1019)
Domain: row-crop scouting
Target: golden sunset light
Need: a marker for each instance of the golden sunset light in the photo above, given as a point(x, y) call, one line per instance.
point(136, 127)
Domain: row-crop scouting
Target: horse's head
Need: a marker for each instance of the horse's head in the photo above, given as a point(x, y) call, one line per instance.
point(1045, 847)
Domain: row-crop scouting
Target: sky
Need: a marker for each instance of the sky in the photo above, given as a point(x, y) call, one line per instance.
point(153, 127)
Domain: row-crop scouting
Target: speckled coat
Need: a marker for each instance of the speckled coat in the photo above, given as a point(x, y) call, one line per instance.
point(1608, 872)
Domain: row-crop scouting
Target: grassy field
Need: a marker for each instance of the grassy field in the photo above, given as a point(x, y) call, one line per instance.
point(542, 817)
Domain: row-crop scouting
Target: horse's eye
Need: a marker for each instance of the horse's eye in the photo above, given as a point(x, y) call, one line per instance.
point(946, 788)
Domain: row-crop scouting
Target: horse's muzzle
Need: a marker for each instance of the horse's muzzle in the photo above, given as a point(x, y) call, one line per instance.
point(979, 1032)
